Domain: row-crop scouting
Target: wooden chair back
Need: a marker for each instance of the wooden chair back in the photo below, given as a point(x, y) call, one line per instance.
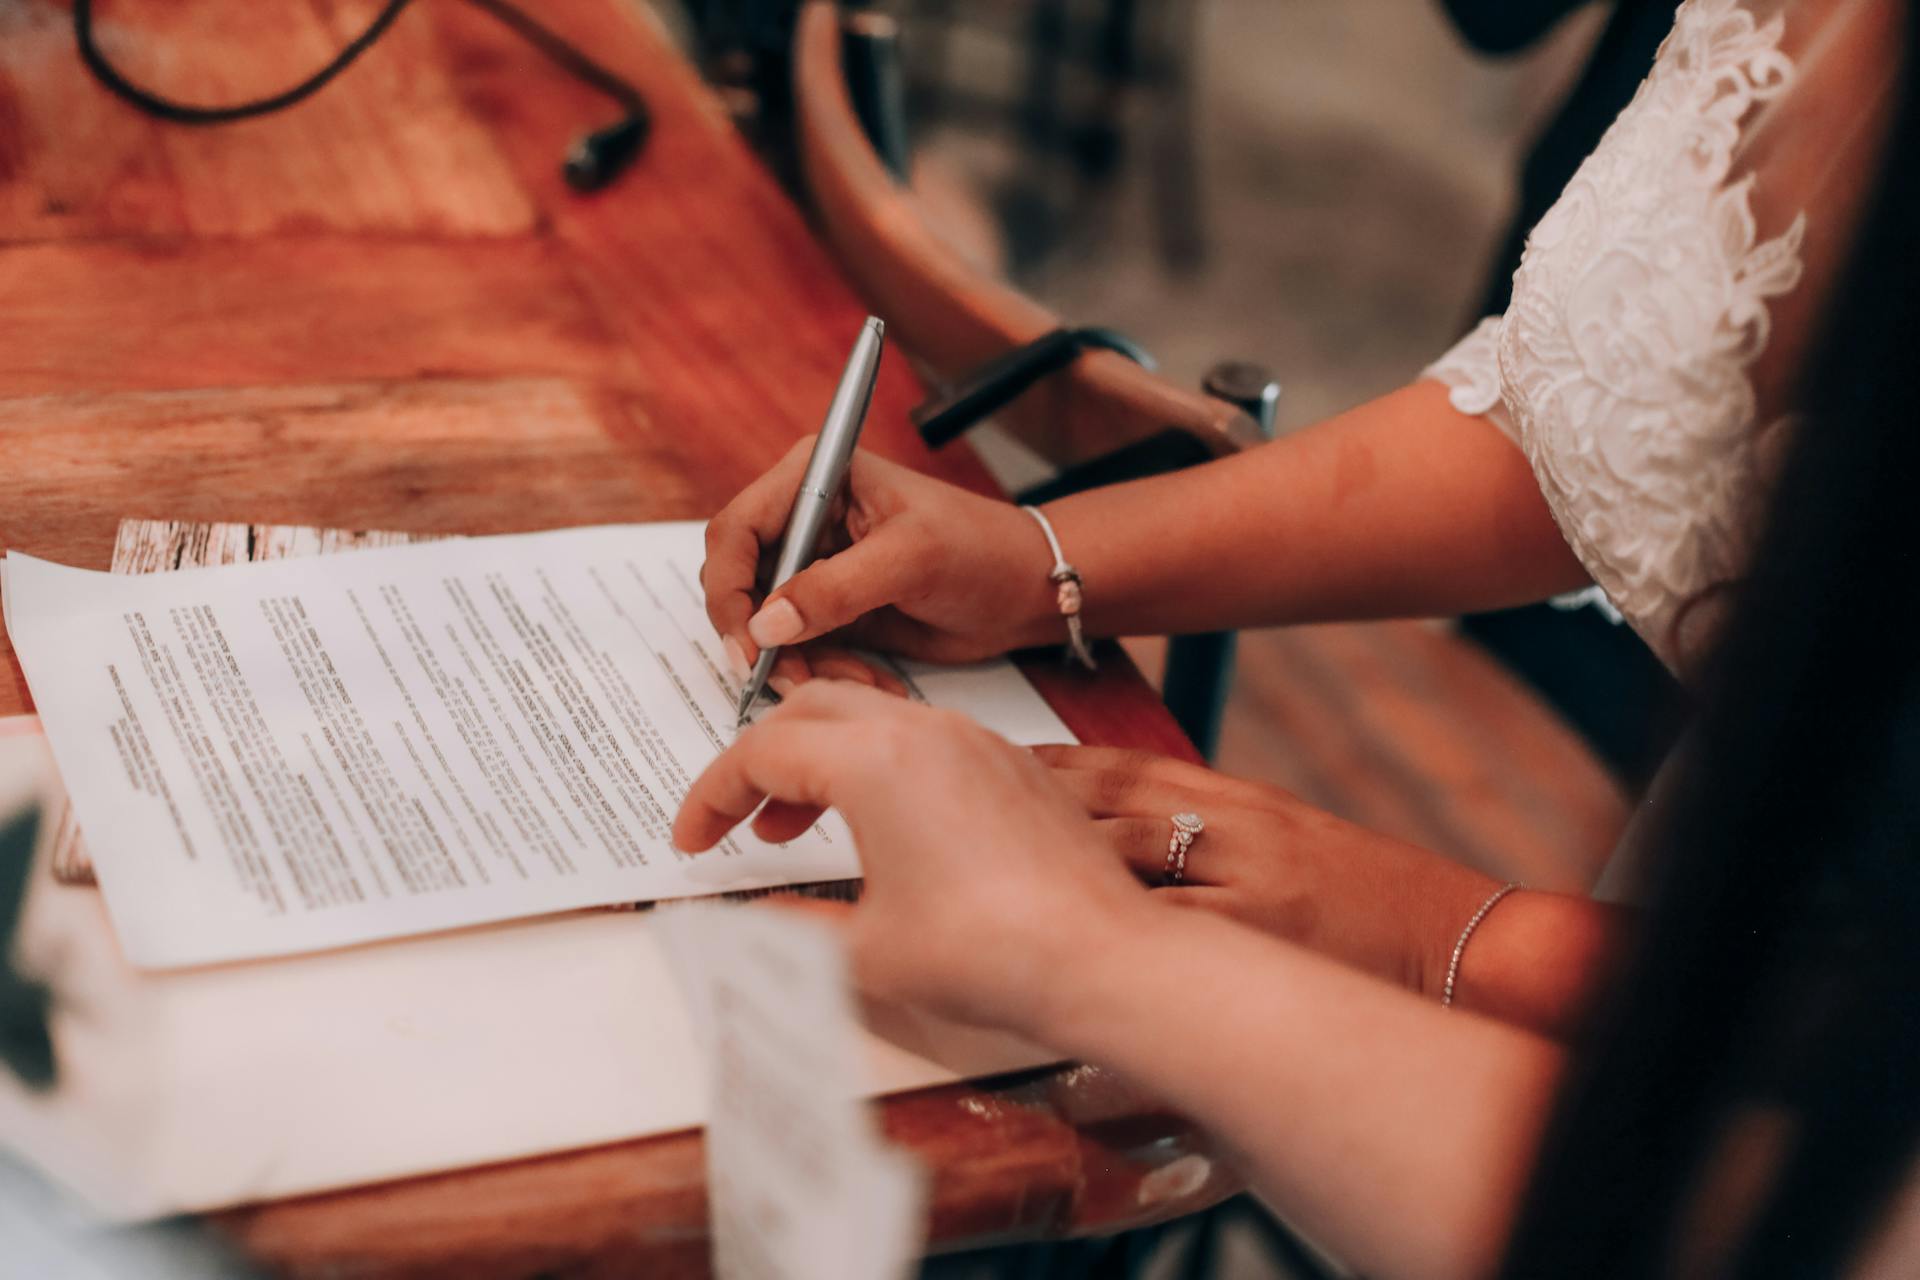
point(949, 315)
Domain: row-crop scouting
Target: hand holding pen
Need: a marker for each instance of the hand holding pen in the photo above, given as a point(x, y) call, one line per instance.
point(907, 565)
point(820, 483)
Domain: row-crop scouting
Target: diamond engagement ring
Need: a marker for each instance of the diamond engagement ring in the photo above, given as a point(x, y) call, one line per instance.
point(1185, 827)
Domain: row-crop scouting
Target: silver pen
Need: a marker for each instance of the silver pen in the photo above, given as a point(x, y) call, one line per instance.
point(826, 472)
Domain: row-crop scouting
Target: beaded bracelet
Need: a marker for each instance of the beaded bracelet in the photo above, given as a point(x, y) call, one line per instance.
point(1460, 947)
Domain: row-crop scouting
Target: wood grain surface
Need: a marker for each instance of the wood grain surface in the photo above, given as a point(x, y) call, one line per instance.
point(384, 308)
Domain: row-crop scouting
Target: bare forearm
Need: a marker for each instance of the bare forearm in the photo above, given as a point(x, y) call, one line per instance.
point(1350, 1103)
point(1401, 507)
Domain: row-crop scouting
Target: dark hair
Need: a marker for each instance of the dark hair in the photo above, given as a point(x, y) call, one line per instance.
point(1778, 968)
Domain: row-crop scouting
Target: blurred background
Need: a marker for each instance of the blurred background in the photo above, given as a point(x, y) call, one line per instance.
point(1318, 185)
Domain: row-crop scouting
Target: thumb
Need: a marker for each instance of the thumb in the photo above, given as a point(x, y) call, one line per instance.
point(886, 567)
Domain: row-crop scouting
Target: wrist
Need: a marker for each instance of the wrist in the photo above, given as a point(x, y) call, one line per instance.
point(1441, 914)
point(1537, 958)
point(1070, 974)
point(1033, 597)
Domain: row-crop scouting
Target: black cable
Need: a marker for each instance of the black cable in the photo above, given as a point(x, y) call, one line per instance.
point(592, 162)
point(185, 113)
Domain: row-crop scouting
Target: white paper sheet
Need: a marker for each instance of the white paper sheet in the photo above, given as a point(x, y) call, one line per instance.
point(203, 1088)
point(800, 1184)
point(285, 757)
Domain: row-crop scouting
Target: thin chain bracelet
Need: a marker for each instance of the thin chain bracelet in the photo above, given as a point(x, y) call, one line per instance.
point(1460, 947)
point(1067, 592)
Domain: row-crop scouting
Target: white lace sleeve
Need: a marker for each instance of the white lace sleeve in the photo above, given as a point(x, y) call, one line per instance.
point(1664, 306)
point(1471, 372)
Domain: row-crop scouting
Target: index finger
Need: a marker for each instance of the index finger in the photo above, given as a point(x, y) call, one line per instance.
point(737, 535)
point(794, 757)
point(782, 758)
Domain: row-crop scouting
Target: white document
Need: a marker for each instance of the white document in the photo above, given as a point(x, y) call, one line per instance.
point(197, 1089)
point(800, 1183)
point(274, 758)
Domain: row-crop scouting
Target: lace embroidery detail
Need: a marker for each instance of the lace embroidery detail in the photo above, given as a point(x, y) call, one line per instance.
point(1639, 305)
point(1589, 598)
point(1472, 372)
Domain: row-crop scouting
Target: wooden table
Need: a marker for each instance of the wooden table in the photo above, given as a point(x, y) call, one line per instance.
point(385, 309)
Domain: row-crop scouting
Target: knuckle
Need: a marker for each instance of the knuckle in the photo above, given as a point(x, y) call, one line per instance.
point(899, 740)
point(1112, 788)
point(914, 731)
point(1138, 763)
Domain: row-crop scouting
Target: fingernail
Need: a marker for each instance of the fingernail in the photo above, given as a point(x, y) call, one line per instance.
point(782, 685)
point(736, 658)
point(777, 624)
